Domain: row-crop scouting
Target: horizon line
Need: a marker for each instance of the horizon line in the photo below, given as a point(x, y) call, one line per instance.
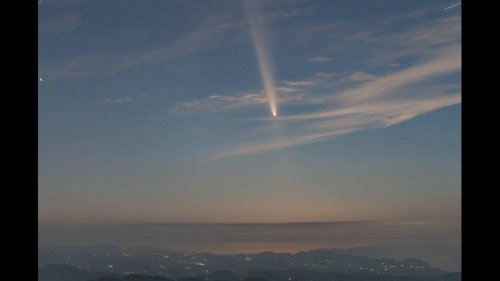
point(254, 223)
point(285, 223)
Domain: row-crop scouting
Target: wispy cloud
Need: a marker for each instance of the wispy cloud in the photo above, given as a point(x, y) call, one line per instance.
point(120, 100)
point(420, 42)
point(449, 60)
point(44, 2)
point(383, 43)
point(361, 76)
point(382, 102)
point(335, 104)
point(320, 59)
point(452, 6)
point(218, 28)
point(62, 23)
point(289, 92)
point(237, 101)
point(274, 144)
point(214, 30)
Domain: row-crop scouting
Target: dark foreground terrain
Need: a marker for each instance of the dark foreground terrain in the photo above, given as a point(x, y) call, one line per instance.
point(64, 272)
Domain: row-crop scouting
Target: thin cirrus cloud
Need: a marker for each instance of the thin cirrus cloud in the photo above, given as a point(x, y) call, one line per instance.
point(71, 2)
point(423, 42)
point(452, 6)
point(120, 100)
point(59, 1)
point(340, 104)
point(384, 101)
point(214, 30)
point(320, 59)
point(61, 24)
point(381, 45)
point(241, 100)
point(290, 92)
point(361, 76)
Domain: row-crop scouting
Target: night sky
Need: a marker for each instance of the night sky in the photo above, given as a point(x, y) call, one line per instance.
point(159, 111)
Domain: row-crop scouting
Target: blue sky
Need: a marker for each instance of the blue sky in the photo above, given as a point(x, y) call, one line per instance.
point(157, 112)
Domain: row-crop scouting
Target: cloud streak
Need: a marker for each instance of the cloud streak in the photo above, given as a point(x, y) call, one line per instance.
point(320, 59)
point(382, 102)
point(375, 96)
point(452, 6)
point(361, 76)
point(210, 33)
point(217, 29)
point(63, 23)
point(120, 100)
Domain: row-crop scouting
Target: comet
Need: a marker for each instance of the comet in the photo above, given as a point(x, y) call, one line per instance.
point(262, 53)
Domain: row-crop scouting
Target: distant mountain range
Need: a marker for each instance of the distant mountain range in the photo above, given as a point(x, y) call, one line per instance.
point(442, 256)
point(64, 272)
point(175, 265)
